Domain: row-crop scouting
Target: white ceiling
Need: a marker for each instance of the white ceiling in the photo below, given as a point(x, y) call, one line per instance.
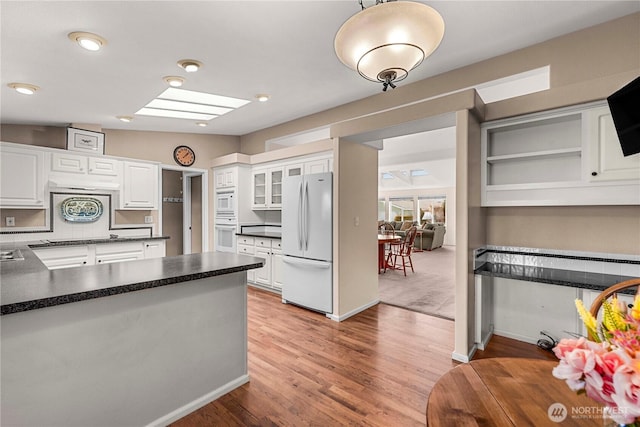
point(283, 48)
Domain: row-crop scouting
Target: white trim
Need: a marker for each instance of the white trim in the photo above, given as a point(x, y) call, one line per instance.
point(484, 342)
point(187, 228)
point(352, 312)
point(199, 402)
point(464, 358)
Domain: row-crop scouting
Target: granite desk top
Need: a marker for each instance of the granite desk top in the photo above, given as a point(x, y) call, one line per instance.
point(553, 276)
point(27, 284)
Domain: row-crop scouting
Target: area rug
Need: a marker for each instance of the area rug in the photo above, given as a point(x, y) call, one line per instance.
point(430, 290)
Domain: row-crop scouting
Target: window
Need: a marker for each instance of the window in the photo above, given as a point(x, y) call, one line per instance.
point(401, 209)
point(432, 209)
point(381, 209)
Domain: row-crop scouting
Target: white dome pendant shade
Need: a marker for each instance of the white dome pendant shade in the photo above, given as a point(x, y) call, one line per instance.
point(386, 41)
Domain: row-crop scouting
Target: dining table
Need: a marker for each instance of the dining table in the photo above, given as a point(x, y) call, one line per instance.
point(505, 391)
point(383, 239)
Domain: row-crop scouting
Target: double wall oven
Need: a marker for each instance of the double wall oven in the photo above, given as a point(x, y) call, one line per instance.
point(226, 221)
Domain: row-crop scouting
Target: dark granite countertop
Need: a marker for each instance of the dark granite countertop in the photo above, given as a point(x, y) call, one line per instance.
point(266, 234)
point(27, 284)
point(553, 276)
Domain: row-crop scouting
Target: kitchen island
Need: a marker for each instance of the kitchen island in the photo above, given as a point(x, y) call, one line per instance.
point(135, 343)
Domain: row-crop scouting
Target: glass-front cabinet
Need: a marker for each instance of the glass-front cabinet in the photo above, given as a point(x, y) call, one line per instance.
point(259, 200)
point(275, 199)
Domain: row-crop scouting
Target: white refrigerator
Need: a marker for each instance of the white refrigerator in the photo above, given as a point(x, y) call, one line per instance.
point(307, 244)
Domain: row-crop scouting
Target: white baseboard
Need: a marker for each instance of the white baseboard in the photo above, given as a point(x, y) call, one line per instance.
point(485, 340)
point(464, 358)
point(517, 337)
point(353, 312)
point(199, 402)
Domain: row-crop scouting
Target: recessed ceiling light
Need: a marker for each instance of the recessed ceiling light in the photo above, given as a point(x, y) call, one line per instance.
point(190, 65)
point(201, 124)
point(125, 119)
point(24, 88)
point(89, 41)
point(262, 97)
point(174, 81)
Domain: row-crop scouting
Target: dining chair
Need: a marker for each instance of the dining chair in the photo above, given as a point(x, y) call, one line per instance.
point(610, 291)
point(387, 229)
point(403, 250)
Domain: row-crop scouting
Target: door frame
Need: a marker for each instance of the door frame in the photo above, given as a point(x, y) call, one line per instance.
point(187, 174)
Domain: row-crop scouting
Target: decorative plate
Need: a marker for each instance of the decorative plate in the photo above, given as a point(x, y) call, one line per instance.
point(81, 209)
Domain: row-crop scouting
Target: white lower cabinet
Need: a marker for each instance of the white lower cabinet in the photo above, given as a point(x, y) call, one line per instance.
point(64, 257)
point(270, 275)
point(119, 252)
point(77, 256)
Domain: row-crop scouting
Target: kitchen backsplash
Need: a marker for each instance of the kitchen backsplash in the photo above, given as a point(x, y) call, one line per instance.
point(65, 229)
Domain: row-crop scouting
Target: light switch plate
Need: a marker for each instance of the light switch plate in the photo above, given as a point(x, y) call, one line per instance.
point(148, 219)
point(10, 221)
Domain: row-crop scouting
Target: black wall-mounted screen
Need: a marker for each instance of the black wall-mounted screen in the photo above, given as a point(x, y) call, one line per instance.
point(625, 110)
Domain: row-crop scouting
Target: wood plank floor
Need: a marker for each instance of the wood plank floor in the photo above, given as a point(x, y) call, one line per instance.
point(376, 368)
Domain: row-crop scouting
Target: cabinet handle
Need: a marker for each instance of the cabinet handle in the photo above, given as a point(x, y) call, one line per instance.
point(99, 260)
point(594, 173)
point(84, 262)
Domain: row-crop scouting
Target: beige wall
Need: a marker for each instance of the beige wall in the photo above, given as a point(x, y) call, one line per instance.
point(608, 229)
point(24, 217)
point(356, 258)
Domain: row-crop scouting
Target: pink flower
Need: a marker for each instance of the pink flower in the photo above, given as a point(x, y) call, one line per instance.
point(626, 382)
point(599, 387)
point(567, 345)
point(574, 365)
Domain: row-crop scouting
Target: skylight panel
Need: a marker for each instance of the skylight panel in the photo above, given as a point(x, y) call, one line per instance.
point(187, 106)
point(419, 172)
point(144, 111)
point(202, 98)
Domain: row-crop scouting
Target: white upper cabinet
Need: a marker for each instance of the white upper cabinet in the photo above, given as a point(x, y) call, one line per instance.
point(22, 177)
point(606, 161)
point(316, 166)
point(569, 156)
point(77, 164)
point(226, 178)
point(139, 186)
point(267, 188)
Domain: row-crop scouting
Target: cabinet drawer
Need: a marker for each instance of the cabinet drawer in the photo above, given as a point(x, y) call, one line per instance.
point(244, 240)
point(263, 243)
point(276, 244)
point(246, 249)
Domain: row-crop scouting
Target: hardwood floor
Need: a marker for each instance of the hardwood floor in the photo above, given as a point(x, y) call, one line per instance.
point(376, 368)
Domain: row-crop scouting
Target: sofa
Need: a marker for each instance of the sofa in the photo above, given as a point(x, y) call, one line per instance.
point(432, 237)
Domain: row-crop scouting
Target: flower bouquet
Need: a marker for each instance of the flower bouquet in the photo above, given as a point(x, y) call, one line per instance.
point(607, 365)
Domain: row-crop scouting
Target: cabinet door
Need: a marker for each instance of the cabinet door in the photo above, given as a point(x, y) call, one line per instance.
point(139, 186)
point(119, 252)
point(21, 178)
point(105, 167)
point(69, 163)
point(154, 249)
point(606, 161)
point(316, 166)
point(64, 257)
point(276, 268)
point(247, 249)
point(275, 187)
point(229, 178)
point(294, 170)
point(259, 190)
point(263, 275)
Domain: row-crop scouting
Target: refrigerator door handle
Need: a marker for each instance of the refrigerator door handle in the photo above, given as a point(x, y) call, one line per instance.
point(302, 262)
point(306, 216)
point(300, 216)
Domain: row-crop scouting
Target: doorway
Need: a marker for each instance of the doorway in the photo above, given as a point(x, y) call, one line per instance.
point(183, 216)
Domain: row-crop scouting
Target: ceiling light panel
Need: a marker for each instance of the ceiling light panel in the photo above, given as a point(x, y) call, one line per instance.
point(202, 98)
point(144, 111)
point(166, 104)
point(188, 104)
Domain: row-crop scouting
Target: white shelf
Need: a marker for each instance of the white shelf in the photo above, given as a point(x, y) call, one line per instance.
point(563, 152)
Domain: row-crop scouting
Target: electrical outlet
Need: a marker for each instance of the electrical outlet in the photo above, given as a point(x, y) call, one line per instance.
point(10, 221)
point(148, 219)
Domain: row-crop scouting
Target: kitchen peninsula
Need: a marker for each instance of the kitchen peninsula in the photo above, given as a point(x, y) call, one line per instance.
point(133, 343)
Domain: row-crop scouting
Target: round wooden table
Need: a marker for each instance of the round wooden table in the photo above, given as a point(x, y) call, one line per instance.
point(508, 392)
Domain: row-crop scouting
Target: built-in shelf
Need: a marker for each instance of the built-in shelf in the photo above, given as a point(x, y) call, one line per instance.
point(564, 152)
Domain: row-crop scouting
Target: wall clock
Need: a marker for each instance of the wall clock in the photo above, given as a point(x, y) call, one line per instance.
point(184, 155)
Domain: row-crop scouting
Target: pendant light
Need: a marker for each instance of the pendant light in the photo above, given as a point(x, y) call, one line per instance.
point(387, 40)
